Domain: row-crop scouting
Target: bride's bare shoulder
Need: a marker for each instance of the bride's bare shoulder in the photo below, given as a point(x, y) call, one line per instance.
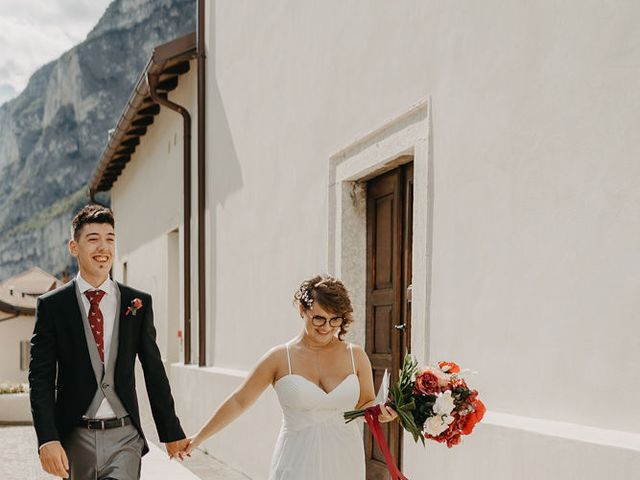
point(277, 361)
point(360, 356)
point(357, 349)
point(276, 354)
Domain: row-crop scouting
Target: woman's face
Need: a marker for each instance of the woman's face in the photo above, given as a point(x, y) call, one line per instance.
point(315, 316)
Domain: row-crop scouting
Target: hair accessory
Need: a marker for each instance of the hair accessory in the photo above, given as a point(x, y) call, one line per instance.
point(306, 298)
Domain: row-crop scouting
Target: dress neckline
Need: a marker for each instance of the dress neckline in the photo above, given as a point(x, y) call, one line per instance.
point(315, 384)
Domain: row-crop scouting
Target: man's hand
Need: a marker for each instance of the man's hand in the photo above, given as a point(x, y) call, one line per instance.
point(54, 460)
point(177, 448)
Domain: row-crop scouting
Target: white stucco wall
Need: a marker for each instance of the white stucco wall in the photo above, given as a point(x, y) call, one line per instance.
point(534, 229)
point(12, 332)
point(146, 197)
point(147, 204)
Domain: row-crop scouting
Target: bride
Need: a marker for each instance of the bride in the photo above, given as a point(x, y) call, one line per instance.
point(317, 377)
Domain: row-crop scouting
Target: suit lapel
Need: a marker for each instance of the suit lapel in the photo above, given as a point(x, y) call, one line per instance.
point(76, 322)
point(123, 319)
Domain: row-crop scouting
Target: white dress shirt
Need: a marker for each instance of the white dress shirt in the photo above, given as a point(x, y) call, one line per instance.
point(108, 307)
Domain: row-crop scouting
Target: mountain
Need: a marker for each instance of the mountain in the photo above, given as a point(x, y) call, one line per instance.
point(52, 134)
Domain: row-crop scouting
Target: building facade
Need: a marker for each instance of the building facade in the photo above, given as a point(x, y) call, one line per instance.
point(468, 169)
point(18, 297)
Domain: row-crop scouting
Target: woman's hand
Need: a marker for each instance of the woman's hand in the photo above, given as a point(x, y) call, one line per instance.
point(240, 400)
point(387, 414)
point(194, 442)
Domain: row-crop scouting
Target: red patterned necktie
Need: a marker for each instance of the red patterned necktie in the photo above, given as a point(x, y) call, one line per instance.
point(96, 320)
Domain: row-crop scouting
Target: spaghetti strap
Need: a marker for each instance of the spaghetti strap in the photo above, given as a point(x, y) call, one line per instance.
point(353, 363)
point(288, 357)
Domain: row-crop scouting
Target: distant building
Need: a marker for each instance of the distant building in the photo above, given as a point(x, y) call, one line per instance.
point(18, 297)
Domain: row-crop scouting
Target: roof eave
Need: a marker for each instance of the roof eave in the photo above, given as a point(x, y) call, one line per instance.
point(167, 55)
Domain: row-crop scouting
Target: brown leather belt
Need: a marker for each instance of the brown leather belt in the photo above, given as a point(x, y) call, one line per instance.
point(105, 424)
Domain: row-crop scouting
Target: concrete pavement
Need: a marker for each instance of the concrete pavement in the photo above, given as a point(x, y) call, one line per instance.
point(156, 465)
point(19, 461)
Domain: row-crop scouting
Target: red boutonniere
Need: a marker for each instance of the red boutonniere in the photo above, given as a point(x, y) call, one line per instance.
point(136, 304)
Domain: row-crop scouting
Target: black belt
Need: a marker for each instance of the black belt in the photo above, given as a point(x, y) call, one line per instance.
point(105, 424)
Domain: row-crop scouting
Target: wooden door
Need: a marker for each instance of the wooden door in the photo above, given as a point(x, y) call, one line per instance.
point(389, 240)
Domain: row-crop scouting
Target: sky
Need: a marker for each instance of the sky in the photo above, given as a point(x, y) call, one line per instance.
point(34, 32)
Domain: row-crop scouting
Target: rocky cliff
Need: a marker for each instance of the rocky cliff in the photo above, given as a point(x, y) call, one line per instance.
point(52, 134)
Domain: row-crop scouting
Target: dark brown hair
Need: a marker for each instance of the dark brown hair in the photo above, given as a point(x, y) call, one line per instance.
point(332, 296)
point(92, 213)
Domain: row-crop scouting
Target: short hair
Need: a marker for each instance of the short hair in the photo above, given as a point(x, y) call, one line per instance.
point(332, 296)
point(92, 213)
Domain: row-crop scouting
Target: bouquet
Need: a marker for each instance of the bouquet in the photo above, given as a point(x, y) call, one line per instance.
point(433, 403)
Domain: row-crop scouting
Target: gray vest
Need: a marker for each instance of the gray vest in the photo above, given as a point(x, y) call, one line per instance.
point(104, 379)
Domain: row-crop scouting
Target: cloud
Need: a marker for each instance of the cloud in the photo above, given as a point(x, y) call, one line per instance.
point(7, 92)
point(68, 14)
point(35, 32)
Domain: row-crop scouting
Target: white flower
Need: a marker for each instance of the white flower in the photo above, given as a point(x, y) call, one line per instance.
point(444, 404)
point(437, 424)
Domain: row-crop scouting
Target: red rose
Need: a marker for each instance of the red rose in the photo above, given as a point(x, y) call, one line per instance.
point(473, 418)
point(136, 304)
point(427, 383)
point(453, 439)
point(449, 367)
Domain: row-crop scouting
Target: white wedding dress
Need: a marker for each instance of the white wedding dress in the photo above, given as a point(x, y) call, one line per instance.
point(314, 442)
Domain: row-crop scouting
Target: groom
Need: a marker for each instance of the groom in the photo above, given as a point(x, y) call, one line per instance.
point(85, 342)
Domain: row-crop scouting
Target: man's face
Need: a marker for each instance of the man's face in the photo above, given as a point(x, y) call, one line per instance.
point(94, 249)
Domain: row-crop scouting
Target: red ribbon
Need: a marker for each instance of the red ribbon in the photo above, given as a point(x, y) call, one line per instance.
point(371, 417)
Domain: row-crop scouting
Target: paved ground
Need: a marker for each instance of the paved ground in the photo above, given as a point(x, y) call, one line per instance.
point(204, 466)
point(19, 461)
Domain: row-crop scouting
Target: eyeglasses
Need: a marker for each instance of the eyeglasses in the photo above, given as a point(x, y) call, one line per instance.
point(319, 321)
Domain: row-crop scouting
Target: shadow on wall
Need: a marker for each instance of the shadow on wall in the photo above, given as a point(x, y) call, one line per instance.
point(224, 178)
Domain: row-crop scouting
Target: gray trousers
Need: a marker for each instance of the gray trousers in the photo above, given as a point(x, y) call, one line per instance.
point(100, 454)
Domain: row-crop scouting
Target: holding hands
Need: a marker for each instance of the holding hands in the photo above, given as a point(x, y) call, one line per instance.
point(194, 442)
point(183, 448)
point(177, 449)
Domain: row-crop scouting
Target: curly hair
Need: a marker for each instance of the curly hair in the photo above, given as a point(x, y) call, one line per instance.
point(331, 295)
